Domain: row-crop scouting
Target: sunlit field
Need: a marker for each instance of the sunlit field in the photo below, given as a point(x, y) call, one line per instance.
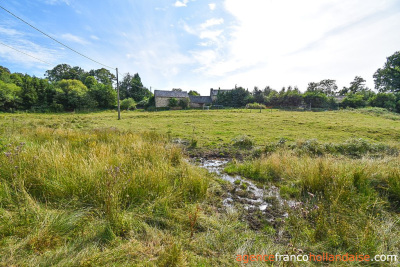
point(89, 190)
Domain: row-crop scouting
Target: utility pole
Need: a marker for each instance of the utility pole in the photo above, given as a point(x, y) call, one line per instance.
point(119, 109)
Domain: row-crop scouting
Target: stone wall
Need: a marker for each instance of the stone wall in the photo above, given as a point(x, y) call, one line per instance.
point(162, 102)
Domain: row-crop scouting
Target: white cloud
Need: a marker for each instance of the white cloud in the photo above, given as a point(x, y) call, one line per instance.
point(181, 3)
point(212, 6)
point(212, 35)
point(212, 22)
point(279, 43)
point(34, 51)
point(94, 37)
point(73, 38)
point(9, 31)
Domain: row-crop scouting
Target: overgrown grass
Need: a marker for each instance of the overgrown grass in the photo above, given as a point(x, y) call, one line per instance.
point(77, 191)
point(107, 197)
point(346, 205)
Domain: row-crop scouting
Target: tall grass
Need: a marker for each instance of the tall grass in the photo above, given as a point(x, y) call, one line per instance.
point(346, 205)
point(105, 197)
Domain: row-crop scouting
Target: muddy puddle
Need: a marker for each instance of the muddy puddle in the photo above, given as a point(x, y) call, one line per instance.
point(260, 203)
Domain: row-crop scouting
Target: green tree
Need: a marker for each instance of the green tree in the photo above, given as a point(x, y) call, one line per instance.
point(388, 77)
point(29, 92)
point(327, 86)
point(315, 99)
point(72, 94)
point(384, 100)
point(132, 87)
point(10, 96)
point(103, 76)
point(4, 74)
point(194, 93)
point(354, 101)
point(66, 72)
point(258, 95)
point(235, 98)
point(356, 86)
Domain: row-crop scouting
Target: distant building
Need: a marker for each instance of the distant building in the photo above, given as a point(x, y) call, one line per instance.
point(199, 101)
point(214, 93)
point(162, 97)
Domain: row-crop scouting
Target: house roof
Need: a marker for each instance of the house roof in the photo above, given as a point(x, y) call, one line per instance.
point(217, 91)
point(200, 99)
point(177, 94)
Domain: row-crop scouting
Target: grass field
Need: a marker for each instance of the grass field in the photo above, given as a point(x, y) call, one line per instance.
point(217, 127)
point(89, 190)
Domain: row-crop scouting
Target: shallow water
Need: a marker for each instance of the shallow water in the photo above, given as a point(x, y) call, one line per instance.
point(255, 195)
point(252, 196)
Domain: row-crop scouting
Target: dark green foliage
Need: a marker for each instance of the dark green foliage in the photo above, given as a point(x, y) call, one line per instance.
point(315, 99)
point(354, 101)
point(132, 87)
point(388, 78)
point(235, 98)
point(184, 103)
point(356, 86)
point(384, 100)
point(172, 102)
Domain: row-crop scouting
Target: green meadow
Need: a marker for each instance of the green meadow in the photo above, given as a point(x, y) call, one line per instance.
point(89, 190)
point(217, 127)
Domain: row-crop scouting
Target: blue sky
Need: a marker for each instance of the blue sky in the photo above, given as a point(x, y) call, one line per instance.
point(203, 44)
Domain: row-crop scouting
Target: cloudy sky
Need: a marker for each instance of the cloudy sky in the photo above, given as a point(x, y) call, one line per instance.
point(203, 44)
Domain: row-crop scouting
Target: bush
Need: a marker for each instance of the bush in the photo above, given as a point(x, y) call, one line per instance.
point(255, 106)
point(184, 103)
point(128, 104)
point(173, 102)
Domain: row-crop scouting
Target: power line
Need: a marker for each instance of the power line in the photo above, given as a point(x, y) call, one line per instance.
point(25, 53)
point(55, 39)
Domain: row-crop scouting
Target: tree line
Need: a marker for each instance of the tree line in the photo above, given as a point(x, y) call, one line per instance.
point(67, 88)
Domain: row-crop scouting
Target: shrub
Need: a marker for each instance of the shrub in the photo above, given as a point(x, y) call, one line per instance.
point(255, 106)
point(172, 102)
point(128, 104)
point(184, 103)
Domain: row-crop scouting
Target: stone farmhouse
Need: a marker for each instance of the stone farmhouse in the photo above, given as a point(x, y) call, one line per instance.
point(162, 97)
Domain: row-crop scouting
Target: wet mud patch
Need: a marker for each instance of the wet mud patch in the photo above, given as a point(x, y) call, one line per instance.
point(261, 207)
